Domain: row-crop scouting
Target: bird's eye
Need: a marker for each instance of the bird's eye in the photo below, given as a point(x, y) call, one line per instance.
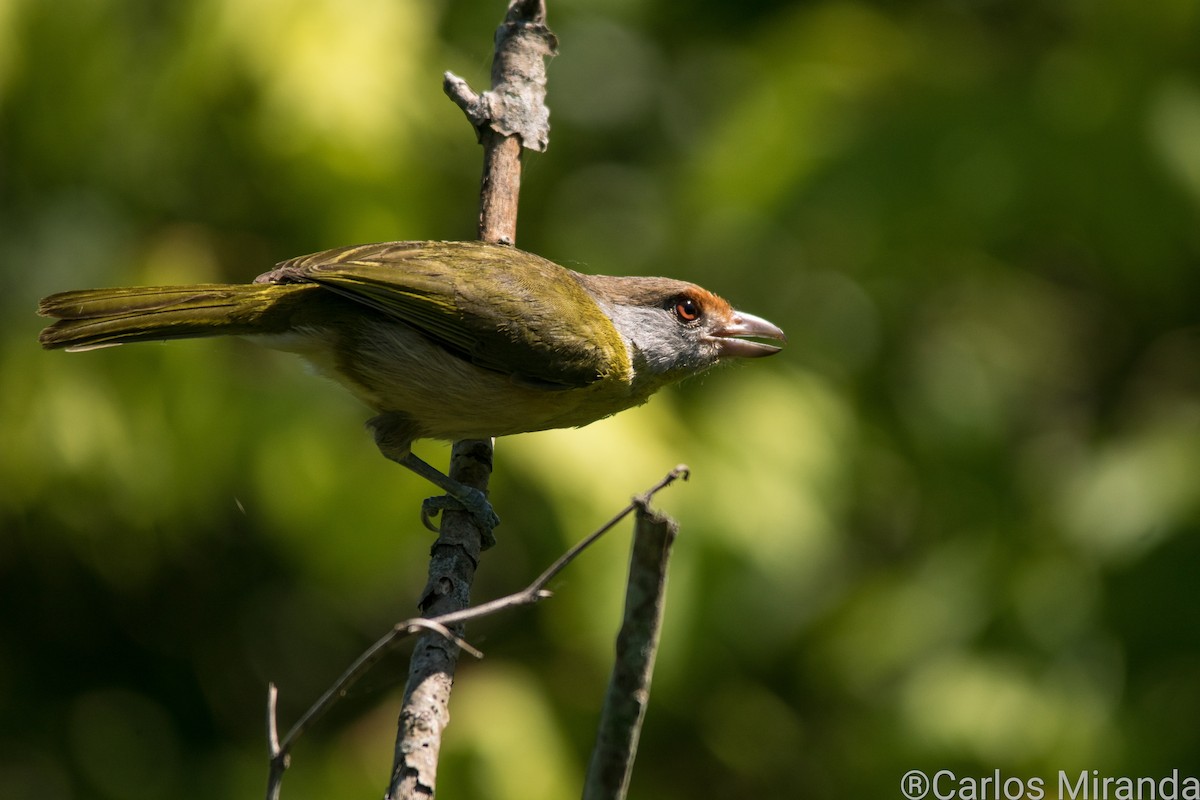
point(686, 309)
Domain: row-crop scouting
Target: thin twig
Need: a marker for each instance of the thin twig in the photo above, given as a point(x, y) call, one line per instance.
point(280, 750)
point(279, 756)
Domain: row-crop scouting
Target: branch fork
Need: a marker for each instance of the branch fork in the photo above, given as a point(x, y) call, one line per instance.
point(612, 763)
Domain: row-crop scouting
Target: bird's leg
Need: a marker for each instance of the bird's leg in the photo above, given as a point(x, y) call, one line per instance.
point(393, 437)
point(458, 496)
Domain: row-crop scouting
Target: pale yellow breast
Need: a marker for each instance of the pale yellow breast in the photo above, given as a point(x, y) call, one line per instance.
point(446, 396)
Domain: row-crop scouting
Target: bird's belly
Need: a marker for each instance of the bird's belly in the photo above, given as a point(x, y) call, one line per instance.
point(396, 369)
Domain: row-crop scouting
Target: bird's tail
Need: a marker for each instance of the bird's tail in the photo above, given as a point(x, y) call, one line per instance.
point(92, 318)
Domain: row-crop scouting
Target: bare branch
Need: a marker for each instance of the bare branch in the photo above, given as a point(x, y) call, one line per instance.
point(441, 626)
point(637, 643)
point(512, 113)
point(279, 756)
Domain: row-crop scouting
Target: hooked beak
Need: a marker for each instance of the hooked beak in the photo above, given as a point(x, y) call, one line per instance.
point(731, 341)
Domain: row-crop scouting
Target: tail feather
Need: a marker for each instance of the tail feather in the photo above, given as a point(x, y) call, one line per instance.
point(93, 318)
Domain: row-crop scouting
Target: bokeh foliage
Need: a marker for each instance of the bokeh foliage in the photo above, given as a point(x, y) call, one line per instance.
point(954, 525)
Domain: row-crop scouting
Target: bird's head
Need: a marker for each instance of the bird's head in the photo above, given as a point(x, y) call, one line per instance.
point(677, 329)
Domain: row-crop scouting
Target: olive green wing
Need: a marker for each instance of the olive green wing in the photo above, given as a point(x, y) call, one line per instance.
point(498, 307)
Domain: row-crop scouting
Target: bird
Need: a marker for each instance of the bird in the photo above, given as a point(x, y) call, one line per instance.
point(444, 340)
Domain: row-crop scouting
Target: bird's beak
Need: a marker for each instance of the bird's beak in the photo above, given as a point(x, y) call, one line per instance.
point(732, 341)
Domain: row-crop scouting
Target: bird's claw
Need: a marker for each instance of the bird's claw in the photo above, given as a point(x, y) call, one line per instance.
point(474, 502)
point(432, 506)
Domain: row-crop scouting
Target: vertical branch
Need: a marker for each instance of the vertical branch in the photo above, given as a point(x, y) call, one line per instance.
point(511, 115)
point(499, 189)
point(637, 643)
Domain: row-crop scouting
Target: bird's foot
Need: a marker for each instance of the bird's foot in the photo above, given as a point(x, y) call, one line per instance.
point(471, 501)
point(458, 497)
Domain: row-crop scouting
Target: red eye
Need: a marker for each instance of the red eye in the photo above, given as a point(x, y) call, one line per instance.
point(687, 309)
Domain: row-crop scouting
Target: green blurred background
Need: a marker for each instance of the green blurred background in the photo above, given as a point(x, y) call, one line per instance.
point(955, 525)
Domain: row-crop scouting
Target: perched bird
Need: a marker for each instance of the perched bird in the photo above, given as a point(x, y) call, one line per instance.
point(444, 340)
